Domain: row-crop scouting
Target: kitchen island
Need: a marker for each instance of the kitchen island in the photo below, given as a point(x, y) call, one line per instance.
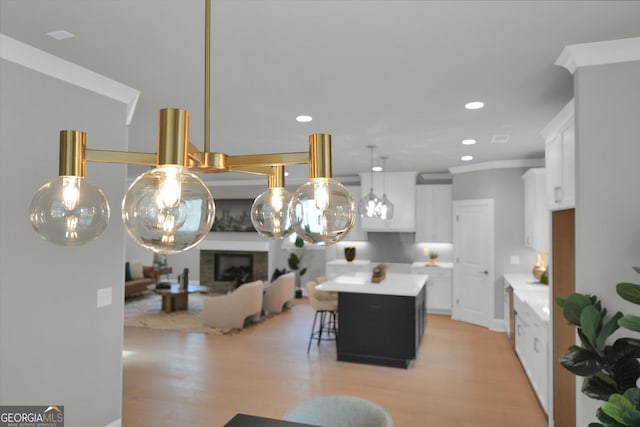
point(379, 323)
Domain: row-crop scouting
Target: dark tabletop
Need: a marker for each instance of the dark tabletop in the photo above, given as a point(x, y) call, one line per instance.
point(244, 420)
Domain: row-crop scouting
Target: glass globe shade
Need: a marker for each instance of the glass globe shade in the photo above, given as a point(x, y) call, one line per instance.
point(322, 211)
point(385, 208)
point(367, 207)
point(69, 211)
point(168, 210)
point(270, 213)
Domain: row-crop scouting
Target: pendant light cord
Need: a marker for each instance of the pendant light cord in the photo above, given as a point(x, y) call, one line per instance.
point(207, 76)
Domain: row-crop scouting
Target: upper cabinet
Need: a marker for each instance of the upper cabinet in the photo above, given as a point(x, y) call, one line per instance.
point(560, 148)
point(356, 232)
point(401, 191)
point(433, 213)
point(536, 214)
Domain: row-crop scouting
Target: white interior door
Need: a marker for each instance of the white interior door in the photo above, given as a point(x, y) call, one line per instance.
point(473, 254)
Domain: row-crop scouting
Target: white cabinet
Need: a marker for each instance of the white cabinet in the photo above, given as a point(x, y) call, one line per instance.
point(433, 213)
point(532, 347)
point(560, 147)
point(401, 191)
point(439, 288)
point(338, 267)
point(536, 216)
point(356, 232)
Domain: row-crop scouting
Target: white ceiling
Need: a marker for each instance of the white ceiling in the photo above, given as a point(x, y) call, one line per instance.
point(395, 74)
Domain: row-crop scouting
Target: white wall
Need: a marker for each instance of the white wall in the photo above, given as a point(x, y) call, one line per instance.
point(56, 347)
point(506, 188)
point(607, 189)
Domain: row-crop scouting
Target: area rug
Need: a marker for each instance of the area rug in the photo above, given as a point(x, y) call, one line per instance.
point(144, 311)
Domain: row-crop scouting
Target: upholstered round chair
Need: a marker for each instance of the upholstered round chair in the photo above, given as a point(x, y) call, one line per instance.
point(339, 411)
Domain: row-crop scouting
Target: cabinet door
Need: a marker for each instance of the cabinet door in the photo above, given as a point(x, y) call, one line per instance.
point(433, 213)
point(536, 216)
point(539, 361)
point(560, 159)
point(439, 292)
point(401, 191)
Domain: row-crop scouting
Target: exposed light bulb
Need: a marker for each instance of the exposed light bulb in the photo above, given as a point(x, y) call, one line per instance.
point(69, 211)
point(71, 191)
point(321, 193)
point(168, 209)
point(169, 188)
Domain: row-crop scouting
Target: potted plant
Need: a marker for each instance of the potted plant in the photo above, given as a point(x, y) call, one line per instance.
point(433, 258)
point(295, 264)
point(611, 371)
point(379, 273)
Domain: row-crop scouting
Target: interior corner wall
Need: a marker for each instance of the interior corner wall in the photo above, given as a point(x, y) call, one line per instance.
point(56, 346)
point(506, 188)
point(607, 196)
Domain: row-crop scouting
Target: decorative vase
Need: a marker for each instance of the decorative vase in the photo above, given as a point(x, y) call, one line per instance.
point(350, 253)
point(542, 262)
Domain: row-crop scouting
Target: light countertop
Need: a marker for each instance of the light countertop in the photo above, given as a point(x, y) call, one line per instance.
point(359, 262)
point(399, 284)
point(423, 264)
point(530, 291)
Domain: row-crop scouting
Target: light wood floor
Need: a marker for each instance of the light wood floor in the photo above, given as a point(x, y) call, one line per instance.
point(464, 375)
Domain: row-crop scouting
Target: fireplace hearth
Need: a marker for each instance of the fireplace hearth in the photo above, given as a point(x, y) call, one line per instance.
point(224, 271)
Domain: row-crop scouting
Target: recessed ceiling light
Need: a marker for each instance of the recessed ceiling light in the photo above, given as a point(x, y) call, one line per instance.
point(475, 105)
point(60, 35)
point(468, 141)
point(377, 168)
point(466, 158)
point(304, 119)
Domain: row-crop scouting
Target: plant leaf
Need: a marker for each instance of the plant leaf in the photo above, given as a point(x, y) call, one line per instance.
point(573, 306)
point(597, 388)
point(626, 373)
point(299, 242)
point(303, 271)
point(623, 348)
point(630, 322)
point(609, 328)
point(560, 301)
point(294, 261)
point(589, 320)
point(616, 407)
point(629, 292)
point(632, 418)
point(585, 342)
point(633, 396)
point(581, 362)
point(607, 420)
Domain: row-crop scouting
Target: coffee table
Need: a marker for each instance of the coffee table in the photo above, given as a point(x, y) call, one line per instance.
point(175, 297)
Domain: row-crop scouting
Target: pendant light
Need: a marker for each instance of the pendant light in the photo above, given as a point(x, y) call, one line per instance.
point(368, 205)
point(385, 207)
point(270, 210)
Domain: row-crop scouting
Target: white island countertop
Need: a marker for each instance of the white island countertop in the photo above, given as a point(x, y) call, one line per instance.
point(398, 284)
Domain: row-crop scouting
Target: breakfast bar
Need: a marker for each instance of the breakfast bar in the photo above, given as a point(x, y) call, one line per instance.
point(379, 323)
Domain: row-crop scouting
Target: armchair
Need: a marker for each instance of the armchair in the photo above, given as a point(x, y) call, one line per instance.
point(279, 292)
point(232, 309)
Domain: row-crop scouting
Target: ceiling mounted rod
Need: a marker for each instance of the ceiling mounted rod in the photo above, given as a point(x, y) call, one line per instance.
point(207, 76)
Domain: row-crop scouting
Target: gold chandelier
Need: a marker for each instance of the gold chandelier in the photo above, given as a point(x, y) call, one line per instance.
point(169, 209)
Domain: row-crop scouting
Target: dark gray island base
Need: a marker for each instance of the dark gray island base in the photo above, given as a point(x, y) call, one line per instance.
point(380, 324)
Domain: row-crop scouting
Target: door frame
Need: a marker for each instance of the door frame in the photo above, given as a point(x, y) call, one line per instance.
point(490, 319)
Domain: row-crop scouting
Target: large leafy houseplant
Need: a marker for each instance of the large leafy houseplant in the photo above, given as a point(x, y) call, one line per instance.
point(295, 259)
point(610, 372)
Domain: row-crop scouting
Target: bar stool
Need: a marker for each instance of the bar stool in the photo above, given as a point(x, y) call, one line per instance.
point(326, 305)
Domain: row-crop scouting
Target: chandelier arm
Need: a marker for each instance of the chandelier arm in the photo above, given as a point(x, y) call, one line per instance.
point(126, 157)
point(262, 160)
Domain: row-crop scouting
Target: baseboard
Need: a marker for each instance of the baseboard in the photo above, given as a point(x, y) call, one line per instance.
point(497, 325)
point(116, 423)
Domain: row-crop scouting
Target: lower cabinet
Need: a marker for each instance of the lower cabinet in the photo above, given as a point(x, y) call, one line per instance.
point(439, 288)
point(531, 347)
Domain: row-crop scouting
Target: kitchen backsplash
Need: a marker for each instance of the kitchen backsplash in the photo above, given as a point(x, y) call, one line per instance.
point(391, 248)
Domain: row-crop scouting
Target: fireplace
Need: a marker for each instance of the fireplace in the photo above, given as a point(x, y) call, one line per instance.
point(224, 271)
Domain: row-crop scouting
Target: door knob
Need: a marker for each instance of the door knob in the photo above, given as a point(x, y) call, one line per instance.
point(485, 272)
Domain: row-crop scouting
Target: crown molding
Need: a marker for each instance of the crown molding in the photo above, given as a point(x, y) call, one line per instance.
point(35, 59)
point(498, 164)
point(575, 56)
